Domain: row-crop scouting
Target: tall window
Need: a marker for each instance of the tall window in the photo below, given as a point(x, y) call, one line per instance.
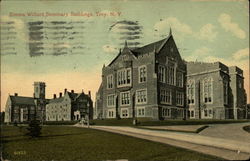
point(171, 73)
point(111, 100)
point(179, 79)
point(111, 113)
point(207, 90)
point(124, 77)
point(142, 74)
point(141, 96)
point(191, 92)
point(166, 112)
point(161, 74)
point(179, 98)
point(166, 96)
point(225, 89)
point(110, 81)
point(125, 98)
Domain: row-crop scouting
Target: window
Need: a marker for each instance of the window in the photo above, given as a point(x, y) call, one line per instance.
point(125, 98)
point(111, 100)
point(124, 113)
point(161, 74)
point(179, 98)
point(111, 113)
point(166, 96)
point(110, 81)
point(192, 113)
point(225, 89)
point(171, 73)
point(191, 92)
point(208, 113)
point(207, 90)
point(141, 111)
point(166, 112)
point(141, 96)
point(142, 74)
point(124, 77)
point(179, 81)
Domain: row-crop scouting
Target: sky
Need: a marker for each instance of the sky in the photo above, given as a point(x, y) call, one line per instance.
point(66, 43)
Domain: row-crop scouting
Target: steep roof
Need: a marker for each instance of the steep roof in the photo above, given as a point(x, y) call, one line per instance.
point(22, 100)
point(155, 46)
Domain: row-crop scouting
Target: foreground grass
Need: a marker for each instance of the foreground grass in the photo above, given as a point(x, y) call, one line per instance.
point(72, 143)
point(148, 122)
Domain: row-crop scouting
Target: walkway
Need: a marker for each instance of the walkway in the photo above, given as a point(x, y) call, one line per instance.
point(224, 147)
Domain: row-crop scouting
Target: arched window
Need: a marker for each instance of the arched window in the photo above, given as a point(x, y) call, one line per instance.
point(208, 90)
point(191, 91)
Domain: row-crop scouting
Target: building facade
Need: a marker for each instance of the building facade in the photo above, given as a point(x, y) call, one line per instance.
point(215, 91)
point(23, 109)
point(144, 82)
point(70, 106)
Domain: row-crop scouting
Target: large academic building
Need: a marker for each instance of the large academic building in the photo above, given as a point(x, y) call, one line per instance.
point(153, 81)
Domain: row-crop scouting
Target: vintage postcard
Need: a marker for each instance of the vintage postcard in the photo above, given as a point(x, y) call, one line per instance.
point(125, 80)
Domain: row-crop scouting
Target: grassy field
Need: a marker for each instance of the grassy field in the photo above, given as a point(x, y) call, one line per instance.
point(72, 143)
point(148, 122)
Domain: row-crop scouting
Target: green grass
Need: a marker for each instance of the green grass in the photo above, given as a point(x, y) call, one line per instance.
point(247, 128)
point(72, 143)
point(149, 122)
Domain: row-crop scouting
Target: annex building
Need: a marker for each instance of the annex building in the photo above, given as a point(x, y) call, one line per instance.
point(153, 81)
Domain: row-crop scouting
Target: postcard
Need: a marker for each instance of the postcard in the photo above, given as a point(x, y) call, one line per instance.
point(125, 80)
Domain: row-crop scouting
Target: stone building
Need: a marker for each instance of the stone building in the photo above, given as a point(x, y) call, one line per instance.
point(144, 82)
point(70, 106)
point(215, 91)
point(23, 109)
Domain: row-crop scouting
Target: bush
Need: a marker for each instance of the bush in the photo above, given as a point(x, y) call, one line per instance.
point(34, 128)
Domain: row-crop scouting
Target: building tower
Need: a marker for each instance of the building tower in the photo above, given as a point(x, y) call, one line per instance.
point(39, 90)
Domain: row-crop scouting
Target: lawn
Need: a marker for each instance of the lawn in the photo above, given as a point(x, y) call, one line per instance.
point(149, 122)
point(72, 143)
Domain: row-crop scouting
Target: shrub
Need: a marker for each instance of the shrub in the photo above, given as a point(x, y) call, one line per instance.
point(34, 128)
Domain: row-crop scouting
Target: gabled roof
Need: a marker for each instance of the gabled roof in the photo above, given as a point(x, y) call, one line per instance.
point(20, 100)
point(155, 46)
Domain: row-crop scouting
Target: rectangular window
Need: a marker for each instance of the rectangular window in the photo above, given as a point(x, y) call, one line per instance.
point(166, 96)
point(191, 92)
point(171, 73)
point(110, 81)
point(142, 74)
point(166, 112)
point(192, 113)
point(124, 113)
point(179, 98)
point(179, 79)
point(111, 100)
point(141, 96)
point(141, 112)
point(207, 90)
point(111, 113)
point(124, 77)
point(225, 88)
point(161, 74)
point(125, 98)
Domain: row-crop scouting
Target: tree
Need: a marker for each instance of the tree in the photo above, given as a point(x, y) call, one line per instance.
point(34, 128)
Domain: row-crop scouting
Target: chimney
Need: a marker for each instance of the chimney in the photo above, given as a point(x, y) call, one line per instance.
point(89, 94)
point(60, 94)
point(72, 91)
point(16, 94)
point(54, 96)
point(65, 90)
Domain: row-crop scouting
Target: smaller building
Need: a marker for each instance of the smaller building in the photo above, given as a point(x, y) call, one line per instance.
point(70, 106)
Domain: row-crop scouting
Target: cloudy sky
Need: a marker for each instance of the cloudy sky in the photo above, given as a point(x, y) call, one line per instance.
point(77, 37)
